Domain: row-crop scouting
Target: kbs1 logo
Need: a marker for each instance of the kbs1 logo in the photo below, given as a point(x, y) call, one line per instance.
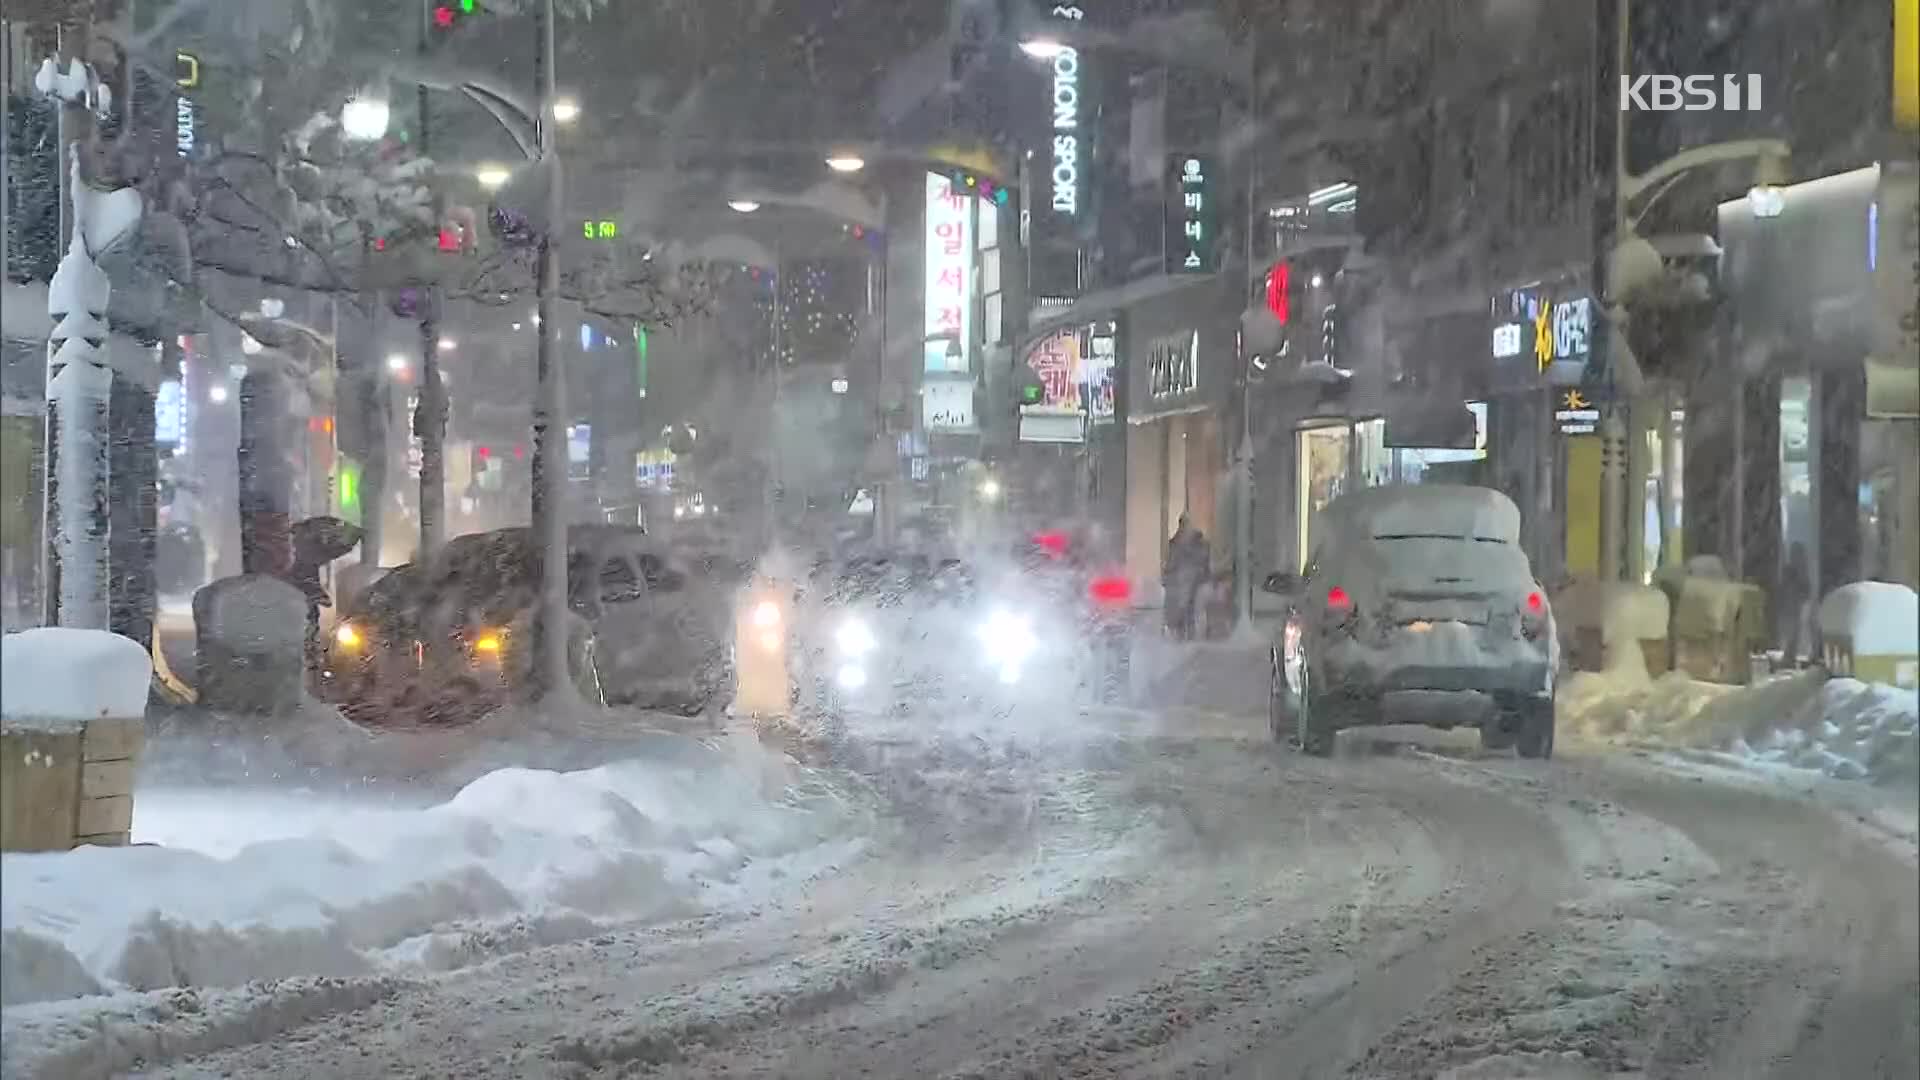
point(1692, 93)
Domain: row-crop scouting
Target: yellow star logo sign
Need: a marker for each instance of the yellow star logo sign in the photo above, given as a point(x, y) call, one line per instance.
point(1574, 400)
point(1543, 336)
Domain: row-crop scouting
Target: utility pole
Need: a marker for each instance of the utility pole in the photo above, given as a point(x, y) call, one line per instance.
point(1243, 473)
point(549, 411)
point(1613, 425)
point(430, 419)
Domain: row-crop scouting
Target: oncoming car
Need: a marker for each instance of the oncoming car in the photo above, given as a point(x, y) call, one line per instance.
point(1416, 593)
point(892, 632)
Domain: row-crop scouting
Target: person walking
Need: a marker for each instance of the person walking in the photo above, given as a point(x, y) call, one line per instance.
point(1186, 569)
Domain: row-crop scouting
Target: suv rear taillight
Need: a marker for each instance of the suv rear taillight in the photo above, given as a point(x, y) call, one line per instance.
point(1533, 615)
point(1342, 613)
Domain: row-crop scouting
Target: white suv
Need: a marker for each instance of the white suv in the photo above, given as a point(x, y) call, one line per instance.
point(1411, 591)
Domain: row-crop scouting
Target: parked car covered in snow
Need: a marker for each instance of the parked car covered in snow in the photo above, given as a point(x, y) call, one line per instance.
point(452, 639)
point(1416, 596)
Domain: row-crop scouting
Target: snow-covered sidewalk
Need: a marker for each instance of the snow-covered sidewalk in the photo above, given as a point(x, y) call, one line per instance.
point(272, 882)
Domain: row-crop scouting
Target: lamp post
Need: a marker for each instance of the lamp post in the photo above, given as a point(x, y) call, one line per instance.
point(430, 419)
point(549, 411)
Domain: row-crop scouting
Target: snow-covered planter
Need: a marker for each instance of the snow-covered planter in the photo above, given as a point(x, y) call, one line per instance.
point(1611, 626)
point(1717, 626)
point(1870, 630)
point(72, 721)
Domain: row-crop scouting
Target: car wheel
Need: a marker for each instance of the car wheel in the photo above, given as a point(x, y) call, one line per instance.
point(1280, 710)
point(586, 676)
point(1497, 733)
point(1534, 734)
point(1317, 723)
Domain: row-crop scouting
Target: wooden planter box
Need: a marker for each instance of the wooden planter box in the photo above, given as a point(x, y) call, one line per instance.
point(1894, 669)
point(67, 784)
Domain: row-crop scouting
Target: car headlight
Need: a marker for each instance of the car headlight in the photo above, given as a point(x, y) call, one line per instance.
point(854, 638)
point(1007, 638)
point(349, 637)
point(766, 615)
point(488, 643)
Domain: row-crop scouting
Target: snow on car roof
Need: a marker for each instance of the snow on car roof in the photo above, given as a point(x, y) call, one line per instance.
point(1429, 510)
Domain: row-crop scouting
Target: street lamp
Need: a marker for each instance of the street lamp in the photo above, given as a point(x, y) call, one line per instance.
point(492, 176)
point(1042, 48)
point(1766, 200)
point(365, 115)
point(396, 362)
point(447, 343)
point(566, 110)
point(846, 163)
point(744, 206)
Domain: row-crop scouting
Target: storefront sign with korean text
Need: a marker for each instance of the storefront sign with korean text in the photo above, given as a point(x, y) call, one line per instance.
point(1191, 220)
point(1576, 414)
point(1056, 362)
point(1543, 333)
point(947, 405)
point(949, 277)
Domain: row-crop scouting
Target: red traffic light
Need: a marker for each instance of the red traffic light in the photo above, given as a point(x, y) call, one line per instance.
point(1277, 283)
point(443, 16)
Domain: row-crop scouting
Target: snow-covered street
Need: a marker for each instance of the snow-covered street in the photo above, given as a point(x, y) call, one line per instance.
point(1131, 894)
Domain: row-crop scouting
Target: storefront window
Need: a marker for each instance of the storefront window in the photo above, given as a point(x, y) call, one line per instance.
point(1889, 489)
point(1798, 520)
point(1373, 461)
point(1322, 454)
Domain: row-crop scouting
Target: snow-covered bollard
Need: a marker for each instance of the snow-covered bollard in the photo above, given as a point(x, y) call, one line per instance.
point(72, 721)
point(250, 636)
point(1870, 630)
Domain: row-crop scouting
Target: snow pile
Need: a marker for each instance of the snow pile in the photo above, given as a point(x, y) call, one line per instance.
point(1850, 730)
point(269, 884)
point(1844, 728)
point(57, 673)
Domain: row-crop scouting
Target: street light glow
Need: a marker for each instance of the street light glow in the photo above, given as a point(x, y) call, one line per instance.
point(1766, 201)
point(744, 206)
point(365, 116)
point(566, 110)
point(447, 343)
point(491, 176)
point(989, 489)
point(218, 394)
point(1042, 48)
point(396, 362)
point(846, 163)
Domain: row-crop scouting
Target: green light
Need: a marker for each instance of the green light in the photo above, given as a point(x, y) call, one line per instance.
point(640, 356)
point(1030, 395)
point(348, 484)
point(466, 7)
